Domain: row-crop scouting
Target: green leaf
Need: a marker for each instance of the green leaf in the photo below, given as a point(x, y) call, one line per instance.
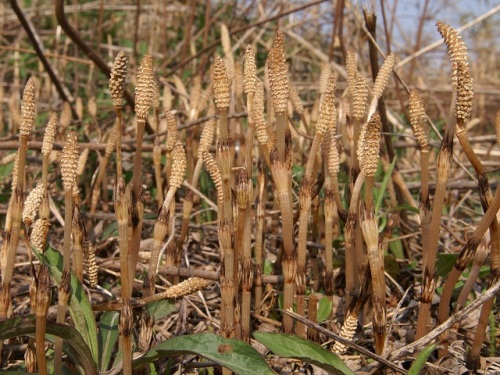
point(73, 344)
point(232, 354)
point(6, 170)
point(421, 359)
point(324, 308)
point(291, 346)
point(79, 305)
point(445, 264)
point(160, 309)
point(268, 267)
point(107, 337)
point(383, 186)
point(111, 230)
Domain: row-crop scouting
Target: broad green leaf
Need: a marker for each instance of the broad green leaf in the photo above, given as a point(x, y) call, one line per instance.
point(291, 346)
point(79, 305)
point(445, 264)
point(160, 309)
point(107, 337)
point(324, 308)
point(73, 344)
point(232, 354)
point(419, 363)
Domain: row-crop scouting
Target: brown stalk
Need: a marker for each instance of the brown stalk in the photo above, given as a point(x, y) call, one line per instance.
point(280, 163)
point(312, 311)
point(157, 167)
point(368, 156)
point(28, 113)
point(473, 360)
point(278, 82)
point(96, 190)
point(418, 121)
point(161, 225)
point(206, 140)
point(121, 205)
point(116, 88)
point(260, 123)
point(78, 234)
point(462, 82)
point(171, 141)
point(329, 149)
point(244, 194)
point(352, 313)
point(42, 307)
point(69, 164)
point(327, 117)
point(458, 55)
point(259, 234)
point(479, 259)
point(249, 86)
point(352, 266)
point(47, 145)
point(144, 93)
point(227, 252)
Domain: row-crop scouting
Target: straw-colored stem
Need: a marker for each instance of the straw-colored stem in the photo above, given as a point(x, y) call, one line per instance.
point(157, 166)
point(119, 170)
point(443, 167)
point(473, 357)
point(121, 204)
point(78, 237)
point(68, 222)
point(125, 326)
point(11, 237)
point(369, 228)
point(281, 129)
point(351, 264)
point(424, 174)
point(159, 233)
point(62, 308)
point(249, 135)
point(247, 279)
point(466, 255)
point(259, 235)
point(329, 208)
point(101, 177)
point(137, 205)
point(42, 307)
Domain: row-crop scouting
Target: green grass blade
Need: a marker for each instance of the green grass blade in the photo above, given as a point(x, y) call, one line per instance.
point(74, 346)
point(419, 363)
point(383, 186)
point(235, 355)
point(107, 337)
point(291, 346)
point(79, 305)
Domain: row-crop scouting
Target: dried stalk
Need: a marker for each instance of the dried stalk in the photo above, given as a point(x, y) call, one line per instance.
point(144, 93)
point(117, 87)
point(327, 117)
point(206, 140)
point(161, 224)
point(96, 190)
point(69, 164)
point(259, 234)
point(244, 194)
